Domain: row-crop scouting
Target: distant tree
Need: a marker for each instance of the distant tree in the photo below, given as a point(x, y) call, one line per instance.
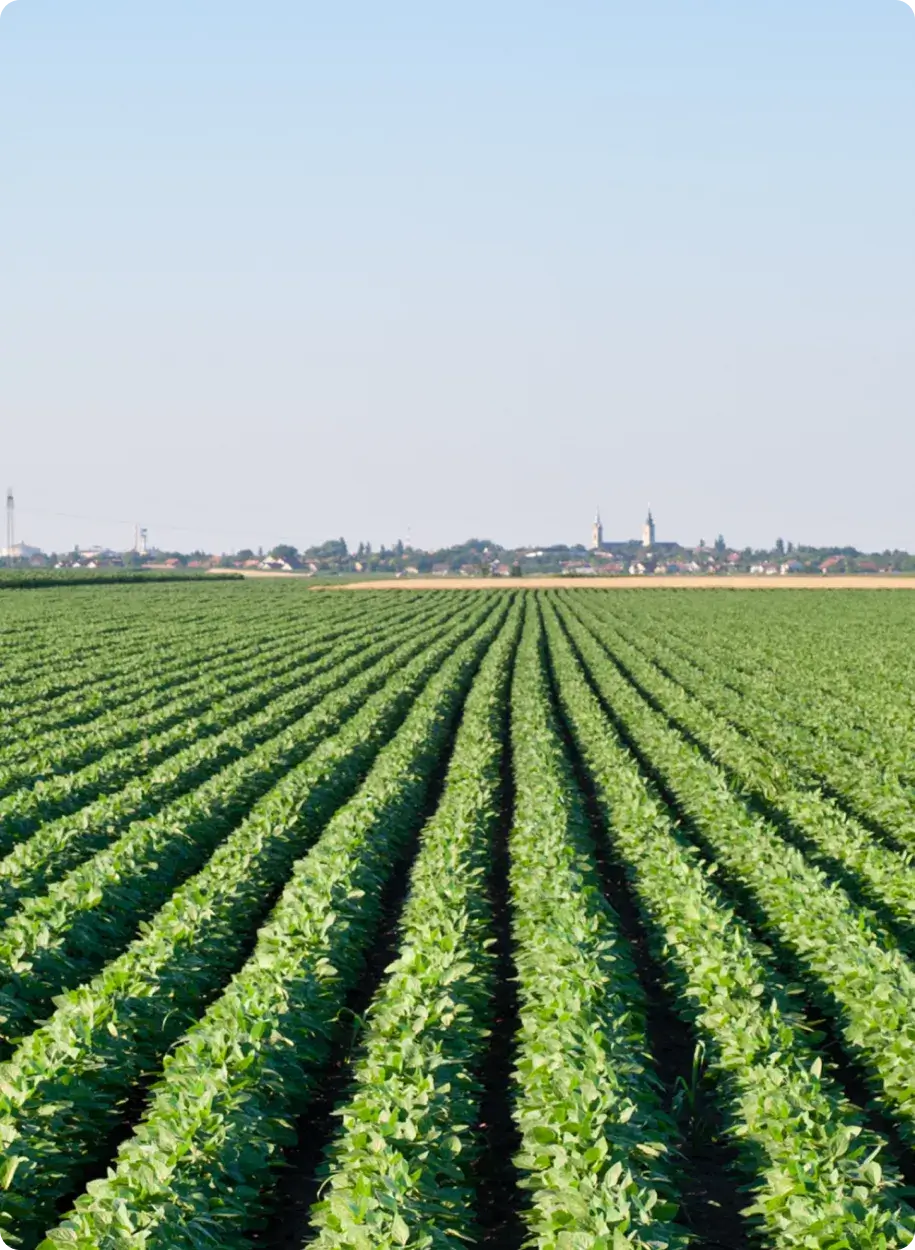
point(334, 549)
point(245, 554)
point(779, 546)
point(516, 569)
point(790, 549)
point(720, 546)
point(284, 552)
point(398, 549)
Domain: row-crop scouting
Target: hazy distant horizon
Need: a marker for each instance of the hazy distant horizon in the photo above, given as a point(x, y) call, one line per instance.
point(164, 544)
point(284, 272)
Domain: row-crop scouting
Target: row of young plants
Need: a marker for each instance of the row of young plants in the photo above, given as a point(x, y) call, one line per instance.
point(59, 845)
point(824, 832)
point(855, 734)
point(401, 1170)
point(219, 703)
point(816, 1176)
point(750, 635)
point(171, 652)
point(103, 676)
point(62, 1092)
point(848, 966)
point(89, 699)
point(50, 751)
point(200, 1165)
point(877, 795)
point(58, 939)
point(65, 794)
point(597, 1152)
point(80, 643)
point(868, 657)
point(160, 704)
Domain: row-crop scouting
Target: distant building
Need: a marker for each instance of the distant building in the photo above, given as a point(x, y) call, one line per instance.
point(20, 551)
point(597, 533)
point(648, 532)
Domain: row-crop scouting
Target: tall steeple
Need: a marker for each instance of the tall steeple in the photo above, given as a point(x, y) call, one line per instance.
point(597, 533)
point(648, 531)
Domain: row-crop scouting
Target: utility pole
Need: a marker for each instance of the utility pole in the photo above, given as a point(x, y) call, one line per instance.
point(10, 525)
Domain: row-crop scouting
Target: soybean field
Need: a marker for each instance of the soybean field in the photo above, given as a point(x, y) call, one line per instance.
point(568, 919)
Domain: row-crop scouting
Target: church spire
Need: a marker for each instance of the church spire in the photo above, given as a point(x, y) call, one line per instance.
point(597, 532)
point(648, 531)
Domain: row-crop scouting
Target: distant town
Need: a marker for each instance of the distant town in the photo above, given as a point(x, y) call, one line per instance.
point(644, 556)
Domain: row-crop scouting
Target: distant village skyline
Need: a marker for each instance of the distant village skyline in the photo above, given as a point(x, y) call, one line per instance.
point(646, 555)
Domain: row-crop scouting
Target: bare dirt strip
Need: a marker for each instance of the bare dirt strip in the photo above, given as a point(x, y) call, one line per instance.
point(789, 582)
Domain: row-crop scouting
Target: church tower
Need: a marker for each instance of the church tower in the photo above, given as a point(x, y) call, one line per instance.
point(648, 531)
point(597, 533)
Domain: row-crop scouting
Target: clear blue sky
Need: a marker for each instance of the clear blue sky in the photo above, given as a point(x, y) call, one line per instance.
point(282, 270)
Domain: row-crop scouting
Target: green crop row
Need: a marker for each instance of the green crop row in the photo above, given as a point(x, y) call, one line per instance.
point(274, 671)
point(63, 1089)
point(845, 961)
point(265, 680)
point(59, 846)
point(825, 833)
point(225, 663)
point(860, 746)
point(78, 693)
point(58, 939)
point(198, 1169)
point(597, 1150)
point(85, 697)
point(818, 1177)
point(50, 752)
point(401, 1171)
point(139, 655)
